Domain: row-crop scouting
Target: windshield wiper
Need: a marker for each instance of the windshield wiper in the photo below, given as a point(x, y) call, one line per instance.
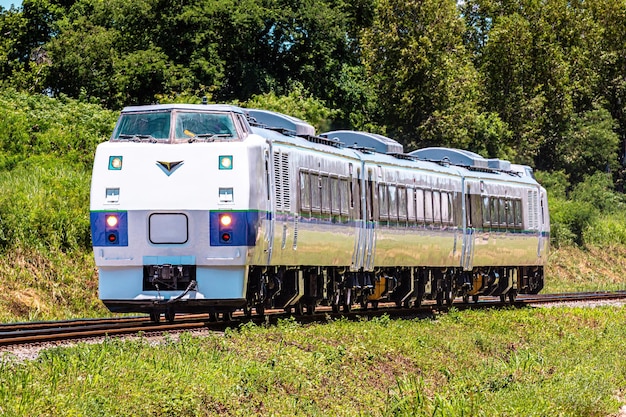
point(138, 138)
point(209, 137)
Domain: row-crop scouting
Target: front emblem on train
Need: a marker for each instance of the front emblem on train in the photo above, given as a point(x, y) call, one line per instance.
point(169, 167)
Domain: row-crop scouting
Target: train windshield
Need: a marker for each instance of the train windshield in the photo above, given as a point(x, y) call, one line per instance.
point(200, 126)
point(188, 126)
point(151, 127)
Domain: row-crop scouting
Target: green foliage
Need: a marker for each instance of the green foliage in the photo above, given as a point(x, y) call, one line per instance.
point(44, 203)
point(40, 125)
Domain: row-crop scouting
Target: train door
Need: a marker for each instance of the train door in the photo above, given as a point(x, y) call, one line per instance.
point(270, 218)
point(364, 246)
point(370, 221)
point(467, 249)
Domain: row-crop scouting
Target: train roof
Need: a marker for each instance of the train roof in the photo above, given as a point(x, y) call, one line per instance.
point(378, 143)
point(180, 106)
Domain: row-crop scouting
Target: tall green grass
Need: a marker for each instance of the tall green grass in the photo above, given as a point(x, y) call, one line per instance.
point(531, 362)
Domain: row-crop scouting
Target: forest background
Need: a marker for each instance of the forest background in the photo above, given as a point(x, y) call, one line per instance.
point(537, 82)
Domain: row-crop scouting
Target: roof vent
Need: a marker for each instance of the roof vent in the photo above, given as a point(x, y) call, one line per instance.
point(462, 158)
point(354, 139)
point(280, 122)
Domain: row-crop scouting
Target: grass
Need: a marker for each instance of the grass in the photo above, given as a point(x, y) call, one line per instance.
point(532, 362)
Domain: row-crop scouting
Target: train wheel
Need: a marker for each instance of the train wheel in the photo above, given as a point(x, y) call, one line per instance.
point(247, 311)
point(170, 315)
point(335, 308)
point(475, 298)
point(260, 309)
point(299, 309)
point(466, 298)
point(155, 317)
point(346, 308)
point(439, 298)
point(227, 316)
point(512, 296)
point(375, 305)
point(503, 298)
point(212, 317)
point(310, 308)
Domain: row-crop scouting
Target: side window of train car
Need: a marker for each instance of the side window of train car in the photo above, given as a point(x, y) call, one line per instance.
point(402, 204)
point(446, 209)
point(325, 193)
point(305, 192)
point(428, 206)
point(344, 190)
point(420, 203)
point(502, 213)
point(437, 208)
point(493, 208)
point(316, 193)
point(517, 208)
point(486, 212)
point(410, 199)
point(393, 203)
point(383, 201)
point(335, 201)
point(510, 214)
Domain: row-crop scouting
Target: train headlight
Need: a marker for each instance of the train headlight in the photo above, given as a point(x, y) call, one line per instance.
point(112, 220)
point(115, 163)
point(109, 228)
point(226, 162)
point(226, 220)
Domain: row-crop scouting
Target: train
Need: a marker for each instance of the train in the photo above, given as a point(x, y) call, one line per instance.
point(209, 208)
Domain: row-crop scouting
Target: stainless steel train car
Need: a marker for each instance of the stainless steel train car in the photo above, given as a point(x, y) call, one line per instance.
point(214, 208)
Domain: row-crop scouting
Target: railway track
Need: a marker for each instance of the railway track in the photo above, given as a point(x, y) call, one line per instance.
point(39, 332)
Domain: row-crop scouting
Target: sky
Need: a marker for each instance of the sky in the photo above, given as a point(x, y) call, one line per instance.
point(7, 3)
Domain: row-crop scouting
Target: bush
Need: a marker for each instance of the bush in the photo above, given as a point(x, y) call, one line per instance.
point(569, 220)
point(44, 203)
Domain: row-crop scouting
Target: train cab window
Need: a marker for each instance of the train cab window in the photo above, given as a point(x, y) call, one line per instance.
point(420, 203)
point(410, 198)
point(393, 202)
point(143, 126)
point(383, 201)
point(428, 206)
point(305, 191)
point(204, 125)
point(402, 204)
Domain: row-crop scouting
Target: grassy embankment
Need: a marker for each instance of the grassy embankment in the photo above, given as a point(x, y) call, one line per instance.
point(531, 362)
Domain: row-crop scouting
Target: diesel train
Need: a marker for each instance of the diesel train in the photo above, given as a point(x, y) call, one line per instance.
point(215, 208)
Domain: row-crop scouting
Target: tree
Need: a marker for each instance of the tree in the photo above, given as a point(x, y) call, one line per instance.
point(429, 92)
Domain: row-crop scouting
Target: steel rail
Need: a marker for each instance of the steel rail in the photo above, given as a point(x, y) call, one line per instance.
point(15, 334)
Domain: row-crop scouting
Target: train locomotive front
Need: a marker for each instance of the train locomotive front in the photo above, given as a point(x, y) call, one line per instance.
point(173, 219)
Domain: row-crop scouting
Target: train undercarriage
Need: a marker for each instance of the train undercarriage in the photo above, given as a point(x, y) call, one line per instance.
point(302, 289)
